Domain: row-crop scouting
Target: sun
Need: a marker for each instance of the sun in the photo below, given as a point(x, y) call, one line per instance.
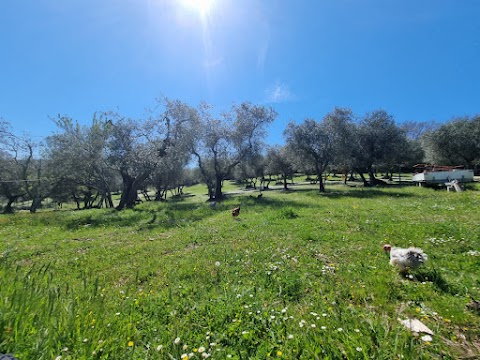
point(202, 7)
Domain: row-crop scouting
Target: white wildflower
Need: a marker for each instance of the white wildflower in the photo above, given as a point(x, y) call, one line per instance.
point(426, 338)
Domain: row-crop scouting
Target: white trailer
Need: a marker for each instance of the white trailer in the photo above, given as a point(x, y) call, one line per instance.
point(443, 176)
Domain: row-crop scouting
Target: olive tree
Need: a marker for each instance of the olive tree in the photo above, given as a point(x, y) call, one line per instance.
point(171, 171)
point(12, 173)
point(222, 143)
point(157, 147)
point(133, 152)
point(456, 142)
point(78, 156)
point(313, 144)
point(340, 125)
point(377, 139)
point(281, 162)
point(23, 173)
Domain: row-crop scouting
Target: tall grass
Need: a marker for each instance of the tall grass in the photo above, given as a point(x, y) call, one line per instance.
point(297, 275)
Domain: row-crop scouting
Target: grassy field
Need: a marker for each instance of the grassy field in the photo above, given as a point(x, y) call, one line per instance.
point(297, 275)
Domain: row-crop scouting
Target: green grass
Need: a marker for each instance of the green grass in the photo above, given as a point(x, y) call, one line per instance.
point(297, 275)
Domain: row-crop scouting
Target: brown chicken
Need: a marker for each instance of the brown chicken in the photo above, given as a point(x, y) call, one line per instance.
point(236, 211)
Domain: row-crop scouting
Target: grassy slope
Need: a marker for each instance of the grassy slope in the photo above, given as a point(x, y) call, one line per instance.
point(297, 275)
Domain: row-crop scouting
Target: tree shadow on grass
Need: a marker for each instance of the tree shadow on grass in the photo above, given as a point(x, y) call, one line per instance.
point(179, 211)
point(363, 193)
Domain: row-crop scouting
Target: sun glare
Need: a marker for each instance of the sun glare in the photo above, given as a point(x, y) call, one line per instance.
point(202, 7)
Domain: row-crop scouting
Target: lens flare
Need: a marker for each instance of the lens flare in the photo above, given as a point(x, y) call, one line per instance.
point(202, 7)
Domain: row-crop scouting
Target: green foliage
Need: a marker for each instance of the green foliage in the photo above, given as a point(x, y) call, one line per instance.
point(288, 213)
point(298, 275)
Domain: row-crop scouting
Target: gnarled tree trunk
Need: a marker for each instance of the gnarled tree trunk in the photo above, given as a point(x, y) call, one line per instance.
point(131, 185)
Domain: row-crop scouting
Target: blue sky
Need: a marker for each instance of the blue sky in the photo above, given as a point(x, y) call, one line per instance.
point(418, 60)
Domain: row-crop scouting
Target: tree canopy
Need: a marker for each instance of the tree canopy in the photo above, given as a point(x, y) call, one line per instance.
point(164, 150)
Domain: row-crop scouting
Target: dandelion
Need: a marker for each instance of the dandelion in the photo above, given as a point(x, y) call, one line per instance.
point(130, 343)
point(359, 349)
point(427, 338)
point(176, 341)
point(279, 353)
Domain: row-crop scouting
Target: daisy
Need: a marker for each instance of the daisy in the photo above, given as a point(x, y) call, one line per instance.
point(426, 338)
